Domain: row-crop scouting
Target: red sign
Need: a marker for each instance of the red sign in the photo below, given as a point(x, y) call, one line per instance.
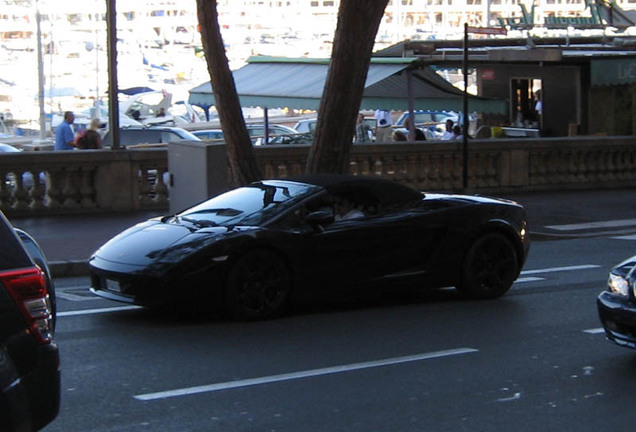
point(487, 30)
point(488, 75)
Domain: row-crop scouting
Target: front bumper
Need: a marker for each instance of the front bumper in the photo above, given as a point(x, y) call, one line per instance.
point(178, 286)
point(618, 316)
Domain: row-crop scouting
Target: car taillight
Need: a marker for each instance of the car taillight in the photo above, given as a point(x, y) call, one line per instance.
point(28, 289)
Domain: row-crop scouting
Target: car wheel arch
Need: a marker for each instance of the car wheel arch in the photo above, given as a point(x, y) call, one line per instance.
point(467, 282)
point(504, 228)
point(233, 303)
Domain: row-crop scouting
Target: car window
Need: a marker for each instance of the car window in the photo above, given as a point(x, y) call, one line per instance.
point(442, 117)
point(168, 136)
point(209, 135)
point(12, 254)
point(255, 131)
point(250, 205)
point(423, 117)
point(132, 137)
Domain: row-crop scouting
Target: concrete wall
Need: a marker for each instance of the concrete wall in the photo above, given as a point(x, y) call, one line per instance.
point(132, 180)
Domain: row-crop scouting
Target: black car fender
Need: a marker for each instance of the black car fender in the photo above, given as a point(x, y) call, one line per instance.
point(503, 227)
point(259, 241)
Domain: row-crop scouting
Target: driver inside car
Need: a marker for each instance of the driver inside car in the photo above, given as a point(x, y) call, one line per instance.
point(344, 209)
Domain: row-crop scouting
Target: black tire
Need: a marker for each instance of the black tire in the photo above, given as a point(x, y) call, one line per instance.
point(258, 286)
point(490, 267)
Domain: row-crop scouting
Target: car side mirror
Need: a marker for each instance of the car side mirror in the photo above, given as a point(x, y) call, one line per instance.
point(320, 217)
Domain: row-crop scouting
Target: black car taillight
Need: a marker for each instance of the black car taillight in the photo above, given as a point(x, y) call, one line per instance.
point(28, 289)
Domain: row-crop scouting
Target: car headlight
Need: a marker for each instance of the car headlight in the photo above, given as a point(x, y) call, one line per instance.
point(618, 284)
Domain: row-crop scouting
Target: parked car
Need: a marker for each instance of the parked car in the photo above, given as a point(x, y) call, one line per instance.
point(257, 132)
point(30, 366)
point(278, 134)
point(432, 123)
point(617, 304)
point(138, 135)
point(208, 134)
point(8, 148)
point(309, 125)
point(425, 117)
point(254, 249)
point(305, 125)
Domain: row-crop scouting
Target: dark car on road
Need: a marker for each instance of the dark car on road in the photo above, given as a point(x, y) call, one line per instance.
point(617, 304)
point(254, 249)
point(29, 359)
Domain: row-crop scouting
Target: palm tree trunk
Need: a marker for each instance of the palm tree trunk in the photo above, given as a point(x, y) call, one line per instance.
point(358, 23)
point(243, 166)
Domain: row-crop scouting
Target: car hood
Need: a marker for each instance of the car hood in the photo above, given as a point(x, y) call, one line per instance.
point(155, 241)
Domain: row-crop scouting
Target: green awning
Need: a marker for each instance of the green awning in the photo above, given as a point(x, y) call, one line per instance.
point(613, 72)
point(275, 82)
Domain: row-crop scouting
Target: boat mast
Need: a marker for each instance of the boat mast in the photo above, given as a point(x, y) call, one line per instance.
point(40, 73)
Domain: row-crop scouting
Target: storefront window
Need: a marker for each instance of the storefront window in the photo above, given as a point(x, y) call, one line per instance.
point(527, 102)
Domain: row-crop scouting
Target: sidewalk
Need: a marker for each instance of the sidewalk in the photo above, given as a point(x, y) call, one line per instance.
point(548, 211)
point(68, 241)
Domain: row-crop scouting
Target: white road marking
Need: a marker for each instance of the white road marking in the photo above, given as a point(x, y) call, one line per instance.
point(529, 279)
point(514, 397)
point(301, 374)
point(594, 331)
point(559, 269)
point(74, 297)
point(526, 278)
point(97, 311)
point(592, 225)
point(627, 237)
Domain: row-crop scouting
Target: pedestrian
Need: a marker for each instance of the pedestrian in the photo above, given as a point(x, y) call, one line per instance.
point(418, 134)
point(383, 128)
point(448, 135)
point(457, 133)
point(89, 138)
point(398, 135)
point(363, 131)
point(64, 135)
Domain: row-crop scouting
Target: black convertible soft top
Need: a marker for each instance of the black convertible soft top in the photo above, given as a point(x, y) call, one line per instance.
point(387, 192)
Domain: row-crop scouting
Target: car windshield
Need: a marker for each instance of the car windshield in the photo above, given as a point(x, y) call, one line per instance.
point(249, 205)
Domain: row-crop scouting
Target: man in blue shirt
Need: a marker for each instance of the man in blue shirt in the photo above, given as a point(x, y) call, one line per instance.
point(64, 135)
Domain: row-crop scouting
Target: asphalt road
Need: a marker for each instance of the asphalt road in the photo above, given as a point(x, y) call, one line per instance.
point(531, 361)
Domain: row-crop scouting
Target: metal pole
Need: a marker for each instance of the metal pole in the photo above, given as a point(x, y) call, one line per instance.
point(466, 123)
point(113, 90)
point(40, 74)
point(409, 91)
point(265, 126)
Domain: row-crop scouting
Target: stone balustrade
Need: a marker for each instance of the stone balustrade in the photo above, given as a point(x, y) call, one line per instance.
point(83, 181)
point(131, 180)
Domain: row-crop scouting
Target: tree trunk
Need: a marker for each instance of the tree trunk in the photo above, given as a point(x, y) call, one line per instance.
point(240, 151)
point(358, 23)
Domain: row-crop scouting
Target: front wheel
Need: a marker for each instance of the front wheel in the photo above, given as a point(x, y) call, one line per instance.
point(258, 286)
point(489, 267)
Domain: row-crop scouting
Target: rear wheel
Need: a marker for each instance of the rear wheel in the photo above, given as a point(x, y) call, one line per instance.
point(258, 286)
point(489, 267)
